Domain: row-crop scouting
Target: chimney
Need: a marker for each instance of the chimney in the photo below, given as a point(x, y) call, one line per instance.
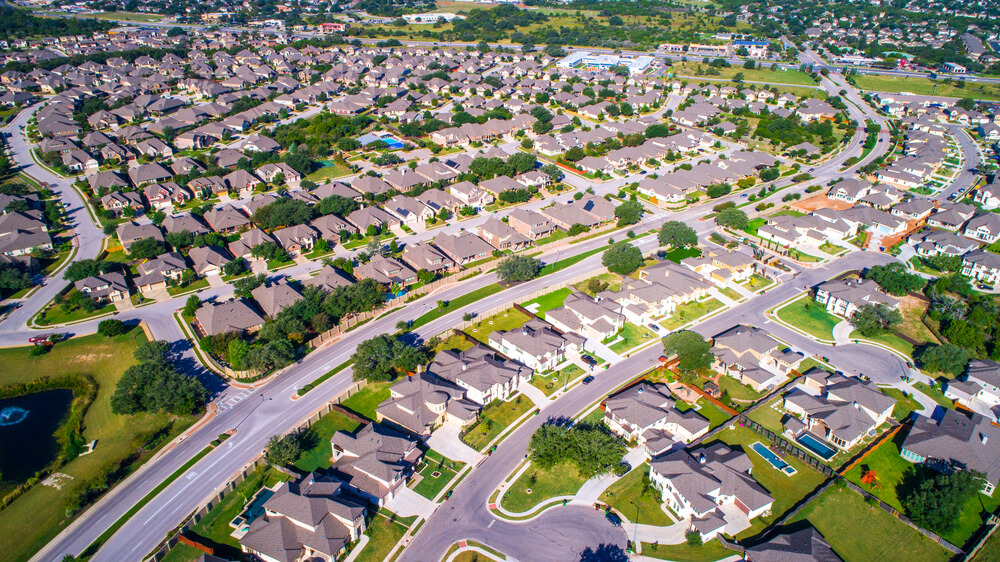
point(984, 438)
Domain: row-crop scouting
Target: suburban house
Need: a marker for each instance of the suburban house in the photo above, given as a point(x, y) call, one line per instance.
point(308, 519)
point(844, 296)
point(106, 288)
point(588, 316)
point(501, 236)
point(128, 232)
point(751, 356)
point(980, 383)
point(427, 258)
point(387, 271)
point(463, 247)
point(645, 412)
point(419, 403)
point(837, 409)
point(275, 297)
point(712, 486)
point(208, 260)
point(982, 266)
point(375, 461)
point(155, 273)
point(984, 228)
point(481, 372)
point(537, 344)
point(957, 440)
point(806, 545)
point(234, 315)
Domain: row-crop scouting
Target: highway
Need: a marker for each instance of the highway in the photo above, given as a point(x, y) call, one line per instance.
point(268, 409)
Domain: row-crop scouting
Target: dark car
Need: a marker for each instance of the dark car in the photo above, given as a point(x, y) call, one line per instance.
point(588, 379)
point(982, 287)
point(613, 519)
point(589, 360)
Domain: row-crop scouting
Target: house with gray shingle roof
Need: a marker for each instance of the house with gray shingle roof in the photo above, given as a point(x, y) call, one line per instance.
point(957, 440)
point(375, 461)
point(646, 412)
point(236, 315)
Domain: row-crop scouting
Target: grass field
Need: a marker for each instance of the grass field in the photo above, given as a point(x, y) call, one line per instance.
point(691, 311)
point(494, 419)
point(632, 336)
point(678, 254)
point(504, 321)
point(63, 313)
point(708, 552)
point(808, 316)
point(365, 401)
point(560, 480)
point(858, 531)
point(926, 87)
point(793, 77)
point(613, 280)
point(891, 340)
point(328, 172)
point(757, 283)
point(454, 342)
point(318, 455)
point(555, 381)
point(430, 486)
point(456, 304)
point(547, 301)
point(38, 515)
point(637, 498)
point(384, 531)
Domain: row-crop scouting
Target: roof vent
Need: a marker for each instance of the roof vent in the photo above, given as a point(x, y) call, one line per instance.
point(702, 459)
point(984, 438)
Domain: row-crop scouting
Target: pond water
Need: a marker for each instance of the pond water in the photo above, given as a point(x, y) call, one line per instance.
point(27, 432)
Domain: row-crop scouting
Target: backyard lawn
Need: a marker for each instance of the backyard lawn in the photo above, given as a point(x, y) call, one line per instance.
point(635, 497)
point(786, 490)
point(708, 552)
point(329, 171)
point(455, 342)
point(36, 516)
point(318, 455)
point(556, 380)
point(715, 415)
point(547, 302)
point(505, 321)
point(560, 480)
point(446, 469)
point(858, 531)
point(808, 316)
point(494, 419)
point(632, 336)
point(905, 405)
point(677, 254)
point(365, 401)
point(736, 390)
point(690, 311)
point(384, 531)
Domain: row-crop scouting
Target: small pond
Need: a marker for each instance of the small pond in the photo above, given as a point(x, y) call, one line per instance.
point(27, 432)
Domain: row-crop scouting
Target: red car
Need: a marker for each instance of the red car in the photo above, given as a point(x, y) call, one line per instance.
point(39, 339)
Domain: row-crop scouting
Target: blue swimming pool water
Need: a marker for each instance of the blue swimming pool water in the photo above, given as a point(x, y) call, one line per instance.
point(816, 447)
point(772, 458)
point(256, 507)
point(390, 141)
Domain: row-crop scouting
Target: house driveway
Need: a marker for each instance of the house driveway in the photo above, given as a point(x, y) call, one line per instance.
point(445, 440)
point(535, 394)
point(406, 503)
point(215, 281)
point(601, 350)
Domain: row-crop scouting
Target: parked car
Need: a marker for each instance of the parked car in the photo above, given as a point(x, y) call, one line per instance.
point(613, 519)
point(588, 379)
point(654, 326)
point(983, 287)
point(589, 360)
point(39, 339)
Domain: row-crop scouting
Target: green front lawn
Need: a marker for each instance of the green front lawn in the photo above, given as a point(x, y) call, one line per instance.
point(430, 486)
point(935, 394)
point(635, 497)
point(691, 311)
point(808, 316)
point(632, 336)
point(757, 283)
point(504, 321)
point(708, 552)
point(560, 480)
point(364, 401)
point(494, 419)
point(384, 531)
point(858, 531)
point(63, 313)
point(905, 405)
point(198, 284)
point(786, 490)
point(731, 294)
point(891, 340)
point(547, 301)
point(555, 380)
point(318, 455)
point(677, 254)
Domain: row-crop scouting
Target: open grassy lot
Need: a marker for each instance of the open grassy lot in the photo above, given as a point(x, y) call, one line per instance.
point(555, 380)
point(634, 496)
point(384, 531)
point(786, 490)
point(318, 454)
point(367, 399)
point(504, 321)
point(329, 171)
point(858, 531)
point(63, 313)
point(457, 304)
point(632, 336)
point(708, 552)
point(613, 280)
point(691, 311)
point(454, 342)
point(809, 317)
point(494, 419)
point(434, 463)
point(38, 515)
point(925, 86)
point(697, 69)
point(895, 475)
point(547, 302)
point(757, 283)
point(560, 480)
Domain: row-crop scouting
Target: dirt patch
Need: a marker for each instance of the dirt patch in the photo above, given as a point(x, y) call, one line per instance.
point(56, 480)
point(821, 201)
point(913, 309)
point(90, 357)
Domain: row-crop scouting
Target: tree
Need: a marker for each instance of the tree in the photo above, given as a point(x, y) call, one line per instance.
point(237, 266)
point(282, 451)
point(383, 357)
point(692, 350)
point(937, 501)
point(769, 174)
point(515, 269)
point(629, 212)
point(945, 358)
point(622, 258)
point(522, 162)
point(154, 386)
point(575, 154)
point(874, 319)
point(85, 268)
point(191, 306)
point(146, 248)
point(338, 205)
point(111, 327)
point(592, 449)
point(155, 351)
point(894, 279)
point(718, 190)
point(732, 218)
point(676, 234)
point(242, 287)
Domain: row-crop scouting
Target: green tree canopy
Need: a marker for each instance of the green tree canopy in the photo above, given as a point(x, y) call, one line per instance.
point(937, 501)
point(282, 451)
point(676, 234)
point(384, 357)
point(629, 212)
point(591, 448)
point(622, 258)
point(894, 279)
point(732, 218)
point(514, 269)
point(945, 358)
point(693, 351)
point(874, 319)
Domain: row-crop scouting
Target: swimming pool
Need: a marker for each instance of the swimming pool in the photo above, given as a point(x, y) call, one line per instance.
point(773, 459)
point(816, 447)
point(390, 141)
point(253, 510)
